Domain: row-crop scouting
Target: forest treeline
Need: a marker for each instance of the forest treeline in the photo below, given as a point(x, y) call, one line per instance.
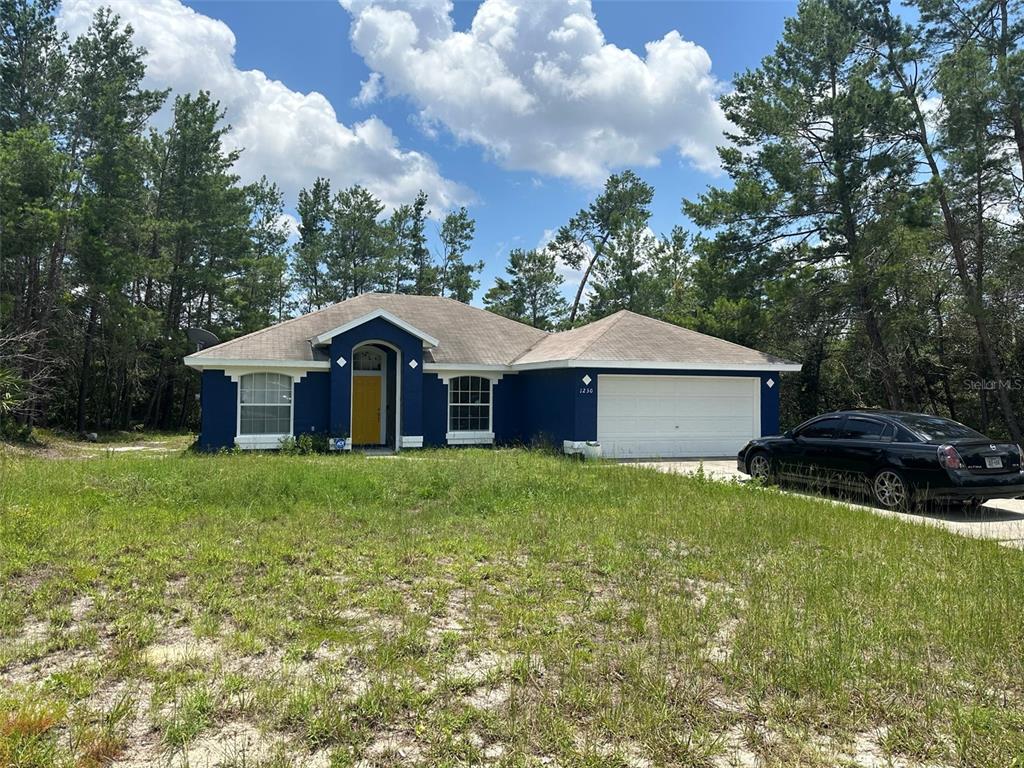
point(868, 224)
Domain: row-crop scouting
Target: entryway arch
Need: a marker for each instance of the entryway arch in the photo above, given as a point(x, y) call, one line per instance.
point(376, 394)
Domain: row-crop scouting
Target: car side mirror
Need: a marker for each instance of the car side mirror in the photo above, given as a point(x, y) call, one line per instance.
point(790, 434)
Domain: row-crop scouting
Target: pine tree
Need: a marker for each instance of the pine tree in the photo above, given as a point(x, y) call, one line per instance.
point(308, 265)
point(591, 234)
point(259, 294)
point(456, 278)
point(356, 242)
point(533, 291)
point(112, 110)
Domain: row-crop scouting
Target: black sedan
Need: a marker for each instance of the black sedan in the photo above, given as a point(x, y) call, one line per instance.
point(899, 458)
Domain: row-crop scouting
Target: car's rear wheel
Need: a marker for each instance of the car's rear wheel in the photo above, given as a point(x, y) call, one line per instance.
point(890, 490)
point(761, 467)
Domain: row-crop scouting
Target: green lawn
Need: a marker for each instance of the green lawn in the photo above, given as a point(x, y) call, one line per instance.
point(487, 607)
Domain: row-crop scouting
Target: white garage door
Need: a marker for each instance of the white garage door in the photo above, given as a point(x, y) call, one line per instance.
point(676, 416)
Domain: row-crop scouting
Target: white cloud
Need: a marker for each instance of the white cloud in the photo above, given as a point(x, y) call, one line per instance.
point(291, 137)
point(369, 90)
point(538, 86)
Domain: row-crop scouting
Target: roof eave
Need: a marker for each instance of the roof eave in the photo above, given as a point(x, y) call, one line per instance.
point(202, 362)
point(766, 367)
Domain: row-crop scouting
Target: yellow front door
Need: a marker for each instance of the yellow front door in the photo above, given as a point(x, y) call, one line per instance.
point(366, 410)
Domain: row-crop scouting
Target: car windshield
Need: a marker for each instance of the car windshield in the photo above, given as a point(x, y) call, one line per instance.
point(934, 428)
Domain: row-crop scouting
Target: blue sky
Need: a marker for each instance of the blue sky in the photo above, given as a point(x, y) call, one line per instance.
point(522, 172)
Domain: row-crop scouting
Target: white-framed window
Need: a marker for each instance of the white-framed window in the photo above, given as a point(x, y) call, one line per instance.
point(469, 404)
point(265, 404)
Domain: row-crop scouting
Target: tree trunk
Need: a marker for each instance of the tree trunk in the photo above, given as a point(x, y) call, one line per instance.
point(586, 276)
point(83, 374)
point(947, 389)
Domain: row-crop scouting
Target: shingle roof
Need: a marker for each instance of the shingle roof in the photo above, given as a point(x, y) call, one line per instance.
point(629, 337)
point(467, 334)
point(474, 336)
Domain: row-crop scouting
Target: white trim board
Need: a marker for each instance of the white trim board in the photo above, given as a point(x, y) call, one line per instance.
point(469, 438)
point(248, 366)
point(659, 366)
point(459, 369)
point(202, 363)
point(492, 376)
point(426, 338)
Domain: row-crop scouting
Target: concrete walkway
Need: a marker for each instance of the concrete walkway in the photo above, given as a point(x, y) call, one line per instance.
point(1002, 520)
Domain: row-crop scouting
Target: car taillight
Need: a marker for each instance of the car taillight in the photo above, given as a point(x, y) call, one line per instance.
point(949, 458)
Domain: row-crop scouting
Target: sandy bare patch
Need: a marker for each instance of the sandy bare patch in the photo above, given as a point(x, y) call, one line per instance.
point(627, 753)
point(478, 668)
point(81, 607)
point(142, 740)
point(735, 753)
point(354, 615)
point(367, 621)
point(44, 667)
point(108, 696)
point(493, 752)
point(34, 631)
point(488, 697)
point(178, 646)
point(394, 745)
point(237, 743)
point(866, 752)
point(175, 586)
point(454, 618)
point(727, 704)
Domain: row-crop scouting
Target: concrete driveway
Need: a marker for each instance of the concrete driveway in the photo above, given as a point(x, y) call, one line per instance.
point(1002, 520)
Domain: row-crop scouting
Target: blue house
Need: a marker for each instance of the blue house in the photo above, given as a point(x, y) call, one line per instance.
point(398, 372)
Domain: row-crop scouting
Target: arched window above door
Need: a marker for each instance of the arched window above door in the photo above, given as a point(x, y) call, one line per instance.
point(368, 359)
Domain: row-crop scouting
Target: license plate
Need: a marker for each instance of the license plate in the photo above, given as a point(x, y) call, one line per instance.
point(993, 462)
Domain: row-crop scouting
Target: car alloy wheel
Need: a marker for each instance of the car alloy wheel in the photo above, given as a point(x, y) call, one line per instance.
point(890, 490)
point(760, 468)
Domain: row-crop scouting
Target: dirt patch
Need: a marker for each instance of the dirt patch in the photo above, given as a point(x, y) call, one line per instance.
point(237, 743)
point(394, 745)
point(628, 753)
point(34, 631)
point(46, 666)
point(454, 618)
point(179, 646)
point(479, 668)
point(866, 752)
point(719, 649)
point(735, 753)
point(81, 607)
point(488, 697)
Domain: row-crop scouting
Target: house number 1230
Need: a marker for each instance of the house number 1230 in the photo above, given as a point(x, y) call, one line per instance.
point(586, 390)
